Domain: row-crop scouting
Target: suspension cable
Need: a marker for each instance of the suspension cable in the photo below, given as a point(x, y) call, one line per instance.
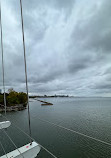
point(3, 74)
point(35, 141)
point(11, 141)
point(65, 128)
point(16, 126)
point(26, 85)
point(3, 149)
point(25, 69)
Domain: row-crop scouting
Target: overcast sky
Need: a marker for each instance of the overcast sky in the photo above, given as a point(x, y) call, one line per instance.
point(68, 46)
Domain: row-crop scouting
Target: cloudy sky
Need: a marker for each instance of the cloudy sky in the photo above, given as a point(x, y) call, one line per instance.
point(68, 46)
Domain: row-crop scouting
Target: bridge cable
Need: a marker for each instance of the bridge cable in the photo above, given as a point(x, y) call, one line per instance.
point(3, 149)
point(25, 74)
point(16, 126)
point(22, 22)
point(68, 129)
point(2, 51)
point(11, 141)
point(65, 128)
point(25, 78)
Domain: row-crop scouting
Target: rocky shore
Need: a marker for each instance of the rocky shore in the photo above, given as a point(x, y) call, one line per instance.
point(17, 107)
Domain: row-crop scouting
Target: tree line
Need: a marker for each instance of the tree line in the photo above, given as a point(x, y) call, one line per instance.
point(13, 98)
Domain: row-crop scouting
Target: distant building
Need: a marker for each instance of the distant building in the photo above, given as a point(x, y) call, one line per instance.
point(0, 91)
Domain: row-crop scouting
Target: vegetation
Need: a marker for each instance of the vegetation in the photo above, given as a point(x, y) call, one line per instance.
point(13, 98)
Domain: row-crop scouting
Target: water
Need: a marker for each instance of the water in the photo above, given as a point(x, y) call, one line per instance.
point(90, 116)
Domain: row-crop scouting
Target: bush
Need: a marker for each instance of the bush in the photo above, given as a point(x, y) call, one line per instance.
point(14, 98)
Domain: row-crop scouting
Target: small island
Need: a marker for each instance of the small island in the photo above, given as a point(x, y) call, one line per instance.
point(15, 101)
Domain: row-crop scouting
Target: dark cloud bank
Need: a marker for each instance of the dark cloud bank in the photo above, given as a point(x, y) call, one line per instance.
point(68, 46)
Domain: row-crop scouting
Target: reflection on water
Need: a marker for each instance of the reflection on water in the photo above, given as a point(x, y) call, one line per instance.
point(91, 116)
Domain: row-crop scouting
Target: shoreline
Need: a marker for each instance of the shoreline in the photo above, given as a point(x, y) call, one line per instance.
point(18, 107)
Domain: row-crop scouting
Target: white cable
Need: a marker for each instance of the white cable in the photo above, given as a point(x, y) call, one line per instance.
point(3, 71)
point(73, 131)
point(25, 63)
point(34, 140)
point(3, 149)
point(11, 141)
point(31, 138)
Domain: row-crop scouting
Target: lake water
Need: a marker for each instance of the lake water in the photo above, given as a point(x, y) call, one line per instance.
point(90, 116)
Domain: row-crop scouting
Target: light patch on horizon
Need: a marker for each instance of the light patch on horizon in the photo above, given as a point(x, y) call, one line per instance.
point(67, 44)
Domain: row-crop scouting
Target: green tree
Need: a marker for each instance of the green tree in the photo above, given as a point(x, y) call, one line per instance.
point(16, 98)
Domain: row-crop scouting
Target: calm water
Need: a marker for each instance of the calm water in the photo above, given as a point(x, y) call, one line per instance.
point(91, 116)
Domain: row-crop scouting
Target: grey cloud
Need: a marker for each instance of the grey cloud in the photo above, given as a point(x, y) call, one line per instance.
point(51, 3)
point(75, 67)
point(67, 45)
point(103, 86)
point(94, 32)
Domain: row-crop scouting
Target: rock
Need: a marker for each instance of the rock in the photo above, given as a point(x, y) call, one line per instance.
point(17, 107)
